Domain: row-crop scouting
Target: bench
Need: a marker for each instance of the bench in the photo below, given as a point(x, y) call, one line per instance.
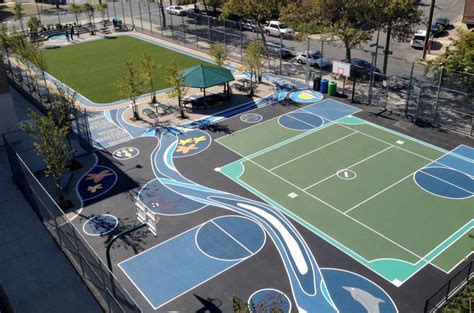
point(149, 113)
point(167, 109)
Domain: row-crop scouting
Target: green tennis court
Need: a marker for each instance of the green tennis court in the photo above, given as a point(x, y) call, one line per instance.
point(391, 202)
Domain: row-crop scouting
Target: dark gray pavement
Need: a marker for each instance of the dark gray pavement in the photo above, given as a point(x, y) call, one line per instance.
point(34, 273)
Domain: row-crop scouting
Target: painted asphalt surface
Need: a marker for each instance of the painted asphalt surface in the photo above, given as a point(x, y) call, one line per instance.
point(308, 284)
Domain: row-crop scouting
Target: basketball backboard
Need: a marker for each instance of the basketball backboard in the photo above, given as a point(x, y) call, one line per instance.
point(341, 68)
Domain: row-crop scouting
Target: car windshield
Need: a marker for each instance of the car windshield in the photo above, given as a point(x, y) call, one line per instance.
point(177, 8)
point(282, 25)
point(315, 55)
point(419, 37)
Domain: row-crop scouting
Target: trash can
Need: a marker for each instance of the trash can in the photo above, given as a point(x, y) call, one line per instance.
point(324, 86)
point(332, 88)
point(317, 83)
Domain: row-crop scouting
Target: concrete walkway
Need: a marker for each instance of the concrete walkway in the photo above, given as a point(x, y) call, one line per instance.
point(34, 273)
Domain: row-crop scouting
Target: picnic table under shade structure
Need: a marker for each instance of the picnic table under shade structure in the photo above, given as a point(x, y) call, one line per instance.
point(203, 76)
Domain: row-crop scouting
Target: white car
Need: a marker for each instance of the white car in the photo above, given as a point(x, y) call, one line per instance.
point(315, 59)
point(176, 10)
point(418, 39)
point(277, 29)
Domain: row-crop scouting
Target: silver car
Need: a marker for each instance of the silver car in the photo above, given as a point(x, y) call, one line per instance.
point(315, 59)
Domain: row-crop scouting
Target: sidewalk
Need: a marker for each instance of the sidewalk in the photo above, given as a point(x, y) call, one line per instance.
point(34, 273)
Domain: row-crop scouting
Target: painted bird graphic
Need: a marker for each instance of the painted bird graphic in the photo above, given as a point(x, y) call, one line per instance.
point(184, 142)
point(186, 149)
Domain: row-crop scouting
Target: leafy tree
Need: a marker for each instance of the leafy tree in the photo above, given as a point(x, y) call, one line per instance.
point(18, 13)
point(76, 9)
point(6, 43)
point(149, 68)
point(50, 144)
point(175, 79)
point(217, 51)
point(252, 61)
point(89, 10)
point(345, 19)
point(130, 86)
point(239, 306)
point(34, 24)
point(396, 18)
point(257, 10)
point(458, 62)
point(102, 9)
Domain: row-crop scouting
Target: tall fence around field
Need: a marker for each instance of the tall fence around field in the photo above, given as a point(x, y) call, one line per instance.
point(102, 283)
point(416, 91)
point(438, 300)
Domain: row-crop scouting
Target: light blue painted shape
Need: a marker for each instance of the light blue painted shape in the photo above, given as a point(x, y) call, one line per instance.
point(461, 159)
point(331, 109)
point(247, 232)
point(308, 118)
point(171, 268)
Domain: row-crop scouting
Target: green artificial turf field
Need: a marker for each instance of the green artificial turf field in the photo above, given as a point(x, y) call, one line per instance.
point(92, 68)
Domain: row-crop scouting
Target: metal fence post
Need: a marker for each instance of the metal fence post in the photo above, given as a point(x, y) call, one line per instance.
point(209, 29)
point(131, 13)
point(241, 43)
point(123, 13)
point(149, 16)
point(140, 13)
point(409, 89)
point(437, 94)
point(115, 10)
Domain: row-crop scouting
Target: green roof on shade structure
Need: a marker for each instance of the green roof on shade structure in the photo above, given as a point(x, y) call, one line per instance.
point(203, 76)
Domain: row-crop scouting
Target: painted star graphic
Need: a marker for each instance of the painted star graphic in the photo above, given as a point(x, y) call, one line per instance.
point(184, 142)
point(199, 139)
point(97, 177)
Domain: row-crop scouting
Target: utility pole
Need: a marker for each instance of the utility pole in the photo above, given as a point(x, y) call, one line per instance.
point(428, 28)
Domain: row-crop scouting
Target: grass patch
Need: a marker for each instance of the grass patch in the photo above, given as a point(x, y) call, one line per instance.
point(92, 68)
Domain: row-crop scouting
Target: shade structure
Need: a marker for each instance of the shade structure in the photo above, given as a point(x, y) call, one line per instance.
point(203, 76)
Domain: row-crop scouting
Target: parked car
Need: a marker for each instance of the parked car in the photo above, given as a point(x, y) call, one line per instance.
point(273, 49)
point(276, 28)
point(362, 69)
point(418, 39)
point(176, 10)
point(315, 59)
point(442, 23)
point(436, 30)
point(249, 24)
point(191, 13)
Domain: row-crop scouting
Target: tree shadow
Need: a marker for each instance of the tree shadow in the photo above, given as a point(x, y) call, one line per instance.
point(209, 305)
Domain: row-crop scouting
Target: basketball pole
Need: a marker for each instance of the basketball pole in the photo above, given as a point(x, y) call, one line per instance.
point(109, 245)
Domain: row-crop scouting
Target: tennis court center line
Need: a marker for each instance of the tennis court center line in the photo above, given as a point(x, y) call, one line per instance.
point(314, 150)
point(232, 237)
point(334, 208)
point(352, 165)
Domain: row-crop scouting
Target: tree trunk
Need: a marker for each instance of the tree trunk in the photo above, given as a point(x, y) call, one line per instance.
point(387, 49)
point(205, 7)
point(348, 54)
point(163, 16)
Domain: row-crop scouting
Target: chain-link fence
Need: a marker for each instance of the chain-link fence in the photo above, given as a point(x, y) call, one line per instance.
point(104, 286)
point(438, 301)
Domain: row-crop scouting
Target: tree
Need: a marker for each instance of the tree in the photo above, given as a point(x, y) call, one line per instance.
point(149, 68)
point(6, 43)
point(348, 20)
point(88, 10)
point(130, 86)
point(50, 144)
point(34, 24)
point(18, 13)
point(175, 79)
point(257, 10)
point(102, 9)
point(396, 18)
point(217, 51)
point(458, 62)
point(252, 61)
point(76, 9)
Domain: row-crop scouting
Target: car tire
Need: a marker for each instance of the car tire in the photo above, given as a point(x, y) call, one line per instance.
point(299, 61)
point(267, 33)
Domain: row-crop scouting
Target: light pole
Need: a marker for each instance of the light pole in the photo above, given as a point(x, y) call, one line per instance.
point(428, 29)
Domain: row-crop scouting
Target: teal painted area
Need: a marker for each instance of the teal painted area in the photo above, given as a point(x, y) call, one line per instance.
point(233, 170)
point(351, 120)
point(393, 269)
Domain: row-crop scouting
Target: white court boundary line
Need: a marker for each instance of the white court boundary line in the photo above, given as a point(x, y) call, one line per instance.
point(333, 207)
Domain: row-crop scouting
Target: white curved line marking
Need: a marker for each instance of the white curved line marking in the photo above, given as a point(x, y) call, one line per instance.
point(293, 247)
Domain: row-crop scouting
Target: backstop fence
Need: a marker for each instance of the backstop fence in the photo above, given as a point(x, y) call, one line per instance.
point(108, 291)
point(438, 301)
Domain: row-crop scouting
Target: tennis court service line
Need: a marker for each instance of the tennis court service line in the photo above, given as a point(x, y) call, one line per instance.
point(352, 165)
point(334, 208)
point(314, 150)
